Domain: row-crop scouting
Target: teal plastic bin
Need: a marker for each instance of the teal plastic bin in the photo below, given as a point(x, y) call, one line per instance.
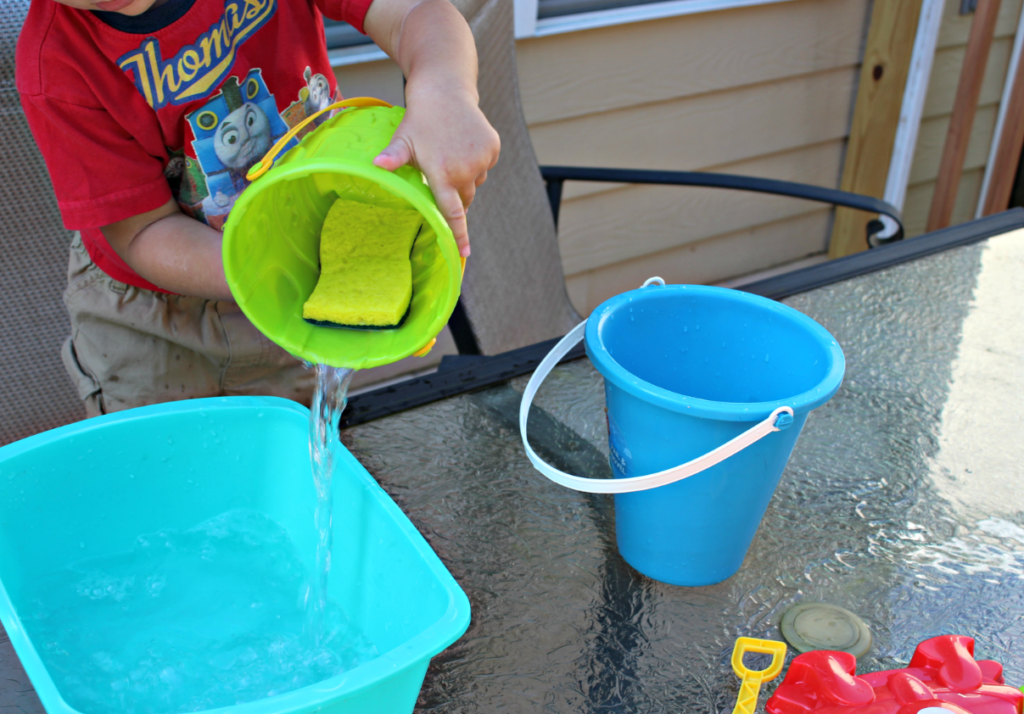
point(69, 494)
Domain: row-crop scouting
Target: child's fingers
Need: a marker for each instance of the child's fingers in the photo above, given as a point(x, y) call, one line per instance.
point(397, 154)
point(449, 202)
point(467, 194)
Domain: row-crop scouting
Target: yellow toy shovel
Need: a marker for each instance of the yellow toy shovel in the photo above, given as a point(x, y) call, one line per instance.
point(746, 702)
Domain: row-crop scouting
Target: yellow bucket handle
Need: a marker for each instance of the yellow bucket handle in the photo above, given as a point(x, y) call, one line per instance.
point(263, 165)
point(746, 701)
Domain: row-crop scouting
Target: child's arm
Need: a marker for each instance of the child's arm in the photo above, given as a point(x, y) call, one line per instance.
point(173, 251)
point(444, 132)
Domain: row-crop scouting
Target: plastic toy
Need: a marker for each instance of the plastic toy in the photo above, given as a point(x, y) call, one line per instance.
point(943, 678)
point(272, 237)
point(700, 382)
point(810, 626)
point(746, 701)
point(395, 589)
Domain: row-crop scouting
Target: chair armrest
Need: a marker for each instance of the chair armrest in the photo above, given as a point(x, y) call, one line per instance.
point(556, 176)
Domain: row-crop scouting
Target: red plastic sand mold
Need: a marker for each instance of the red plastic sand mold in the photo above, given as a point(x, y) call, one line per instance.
point(943, 678)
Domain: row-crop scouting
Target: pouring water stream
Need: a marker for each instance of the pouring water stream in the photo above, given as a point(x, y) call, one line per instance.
point(329, 402)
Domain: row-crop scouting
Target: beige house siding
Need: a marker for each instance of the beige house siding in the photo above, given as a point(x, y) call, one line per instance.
point(766, 91)
point(939, 105)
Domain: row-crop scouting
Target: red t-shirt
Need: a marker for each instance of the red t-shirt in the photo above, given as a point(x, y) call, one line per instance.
point(127, 121)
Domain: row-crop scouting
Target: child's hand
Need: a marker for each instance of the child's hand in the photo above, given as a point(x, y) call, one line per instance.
point(444, 133)
point(450, 141)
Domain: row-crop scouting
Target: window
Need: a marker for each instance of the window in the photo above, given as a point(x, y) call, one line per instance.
point(342, 34)
point(556, 16)
point(558, 8)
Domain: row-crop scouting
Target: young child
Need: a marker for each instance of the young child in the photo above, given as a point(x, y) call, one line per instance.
point(124, 97)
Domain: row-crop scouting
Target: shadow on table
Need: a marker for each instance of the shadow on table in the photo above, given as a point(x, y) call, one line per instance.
point(607, 673)
point(16, 693)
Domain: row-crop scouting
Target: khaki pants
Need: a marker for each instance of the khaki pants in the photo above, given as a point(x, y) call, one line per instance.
point(130, 347)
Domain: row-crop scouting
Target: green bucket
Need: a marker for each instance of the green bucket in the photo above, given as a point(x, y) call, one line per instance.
point(272, 239)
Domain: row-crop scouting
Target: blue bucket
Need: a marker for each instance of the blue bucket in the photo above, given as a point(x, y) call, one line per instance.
point(707, 390)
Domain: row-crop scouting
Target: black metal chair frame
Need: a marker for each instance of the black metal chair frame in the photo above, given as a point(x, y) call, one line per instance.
point(556, 176)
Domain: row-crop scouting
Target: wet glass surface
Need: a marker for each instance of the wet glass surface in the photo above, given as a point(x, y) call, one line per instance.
point(903, 502)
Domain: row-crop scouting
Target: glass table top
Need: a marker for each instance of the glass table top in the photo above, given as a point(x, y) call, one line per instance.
point(903, 502)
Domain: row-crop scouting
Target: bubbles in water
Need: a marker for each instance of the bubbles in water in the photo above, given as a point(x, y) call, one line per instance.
point(187, 621)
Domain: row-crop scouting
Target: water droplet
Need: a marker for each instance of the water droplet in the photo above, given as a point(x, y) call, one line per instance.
point(767, 358)
point(81, 545)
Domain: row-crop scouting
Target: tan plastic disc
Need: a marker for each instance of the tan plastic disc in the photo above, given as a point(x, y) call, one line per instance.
point(819, 626)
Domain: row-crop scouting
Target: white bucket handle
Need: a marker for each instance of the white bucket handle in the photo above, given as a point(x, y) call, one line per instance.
point(635, 483)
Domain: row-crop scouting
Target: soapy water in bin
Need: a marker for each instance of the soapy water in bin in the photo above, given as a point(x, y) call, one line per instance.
point(189, 621)
point(220, 614)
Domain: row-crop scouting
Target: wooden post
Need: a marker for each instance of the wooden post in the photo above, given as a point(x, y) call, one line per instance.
point(883, 78)
point(964, 107)
point(1008, 151)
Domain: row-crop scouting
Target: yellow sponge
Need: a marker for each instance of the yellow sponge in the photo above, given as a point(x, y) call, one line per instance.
point(365, 271)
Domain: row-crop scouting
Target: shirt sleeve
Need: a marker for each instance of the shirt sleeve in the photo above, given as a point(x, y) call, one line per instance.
point(100, 173)
point(351, 11)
